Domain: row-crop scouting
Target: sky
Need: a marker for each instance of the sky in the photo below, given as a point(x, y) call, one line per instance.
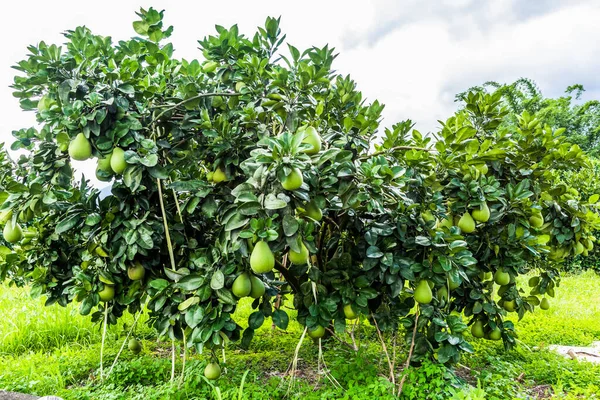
point(411, 55)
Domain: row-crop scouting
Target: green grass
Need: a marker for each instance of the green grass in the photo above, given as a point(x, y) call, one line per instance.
point(54, 350)
point(573, 317)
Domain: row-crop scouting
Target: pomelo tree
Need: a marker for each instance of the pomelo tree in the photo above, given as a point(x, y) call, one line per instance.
point(263, 174)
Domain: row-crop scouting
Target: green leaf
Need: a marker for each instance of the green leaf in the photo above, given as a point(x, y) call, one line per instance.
point(191, 282)
point(93, 219)
point(145, 240)
point(68, 223)
point(280, 319)
point(226, 296)
point(188, 303)
point(273, 203)
point(250, 208)
point(194, 316)
point(86, 305)
point(256, 319)
point(218, 280)
point(290, 225)
point(159, 284)
point(374, 252)
point(141, 27)
point(126, 88)
point(237, 221)
point(247, 338)
point(446, 353)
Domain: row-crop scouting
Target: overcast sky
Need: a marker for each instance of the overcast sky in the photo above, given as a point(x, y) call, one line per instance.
point(412, 55)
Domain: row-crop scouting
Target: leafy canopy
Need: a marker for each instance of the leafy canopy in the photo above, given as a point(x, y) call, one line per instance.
point(207, 148)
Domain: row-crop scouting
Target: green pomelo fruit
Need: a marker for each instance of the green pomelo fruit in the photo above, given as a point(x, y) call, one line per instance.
point(136, 271)
point(242, 285)
point(423, 293)
point(12, 232)
point(502, 278)
point(466, 223)
point(311, 137)
point(483, 214)
point(80, 148)
point(117, 161)
point(212, 371)
point(349, 312)
point(262, 259)
point(316, 333)
point(293, 181)
point(107, 293)
point(299, 258)
point(257, 287)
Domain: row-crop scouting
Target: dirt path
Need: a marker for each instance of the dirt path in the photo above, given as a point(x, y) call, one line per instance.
point(590, 354)
point(16, 396)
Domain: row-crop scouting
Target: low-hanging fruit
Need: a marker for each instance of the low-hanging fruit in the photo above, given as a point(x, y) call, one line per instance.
point(117, 161)
point(80, 148)
point(219, 175)
point(466, 223)
point(134, 346)
point(212, 371)
point(495, 334)
point(209, 66)
point(299, 258)
point(313, 211)
point(239, 86)
point(262, 259)
point(136, 271)
point(312, 138)
point(477, 329)
point(445, 223)
point(242, 285)
point(442, 294)
point(317, 332)
point(423, 294)
point(427, 216)
point(103, 169)
point(349, 312)
point(579, 248)
point(107, 293)
point(293, 180)
point(545, 304)
point(510, 305)
point(257, 287)
point(501, 278)
point(536, 220)
point(482, 214)
point(12, 232)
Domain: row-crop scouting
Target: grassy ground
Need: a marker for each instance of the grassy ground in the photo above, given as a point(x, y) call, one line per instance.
point(53, 350)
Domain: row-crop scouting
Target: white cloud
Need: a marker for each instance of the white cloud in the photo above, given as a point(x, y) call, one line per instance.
point(411, 55)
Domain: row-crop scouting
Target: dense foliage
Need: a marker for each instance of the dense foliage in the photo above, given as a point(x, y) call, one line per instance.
point(253, 169)
point(582, 123)
point(580, 119)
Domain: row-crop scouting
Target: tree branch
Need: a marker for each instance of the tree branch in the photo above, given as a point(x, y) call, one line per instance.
point(339, 339)
point(291, 279)
point(384, 347)
point(391, 150)
point(410, 351)
point(173, 107)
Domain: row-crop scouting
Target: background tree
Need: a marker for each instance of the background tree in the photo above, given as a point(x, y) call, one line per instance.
point(580, 119)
